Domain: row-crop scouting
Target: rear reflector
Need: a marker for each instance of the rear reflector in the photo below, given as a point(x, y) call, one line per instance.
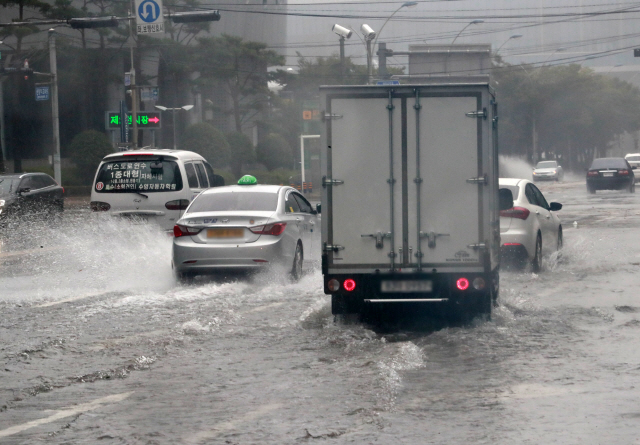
point(515, 212)
point(349, 284)
point(179, 231)
point(512, 244)
point(260, 261)
point(269, 229)
point(462, 284)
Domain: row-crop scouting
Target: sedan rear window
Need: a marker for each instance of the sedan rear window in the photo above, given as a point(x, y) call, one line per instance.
point(608, 163)
point(138, 176)
point(220, 202)
point(514, 190)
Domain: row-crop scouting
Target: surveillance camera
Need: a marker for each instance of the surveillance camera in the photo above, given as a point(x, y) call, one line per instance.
point(342, 31)
point(367, 32)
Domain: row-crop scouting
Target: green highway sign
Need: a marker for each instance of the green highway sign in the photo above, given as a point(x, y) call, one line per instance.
point(145, 120)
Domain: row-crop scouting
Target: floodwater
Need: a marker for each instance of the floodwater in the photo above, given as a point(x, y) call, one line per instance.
point(100, 345)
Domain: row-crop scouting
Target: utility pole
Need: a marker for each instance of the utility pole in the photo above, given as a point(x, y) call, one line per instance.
point(134, 92)
point(54, 106)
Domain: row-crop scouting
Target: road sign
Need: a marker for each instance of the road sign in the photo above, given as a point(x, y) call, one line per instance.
point(149, 18)
point(149, 93)
point(42, 92)
point(127, 79)
point(145, 120)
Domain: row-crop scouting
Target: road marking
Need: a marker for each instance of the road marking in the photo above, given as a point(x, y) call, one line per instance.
point(221, 427)
point(66, 413)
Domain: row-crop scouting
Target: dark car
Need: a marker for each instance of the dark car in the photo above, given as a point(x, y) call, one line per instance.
point(29, 196)
point(610, 174)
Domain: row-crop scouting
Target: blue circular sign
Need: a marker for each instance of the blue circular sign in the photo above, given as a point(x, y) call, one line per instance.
point(149, 11)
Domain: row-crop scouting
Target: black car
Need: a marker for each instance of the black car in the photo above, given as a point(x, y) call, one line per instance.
point(610, 174)
point(29, 195)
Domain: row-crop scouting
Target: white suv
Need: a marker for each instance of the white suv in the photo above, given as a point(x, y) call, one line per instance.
point(634, 161)
point(152, 185)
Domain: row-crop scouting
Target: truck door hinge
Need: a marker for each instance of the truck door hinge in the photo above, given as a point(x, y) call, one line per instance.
point(326, 181)
point(332, 248)
point(431, 237)
point(477, 246)
point(379, 237)
point(478, 113)
point(329, 116)
point(481, 180)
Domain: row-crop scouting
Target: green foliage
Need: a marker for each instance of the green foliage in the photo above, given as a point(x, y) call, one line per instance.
point(575, 112)
point(274, 151)
point(239, 67)
point(208, 141)
point(242, 151)
point(86, 151)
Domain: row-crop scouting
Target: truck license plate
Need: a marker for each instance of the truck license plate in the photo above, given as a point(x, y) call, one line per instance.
point(406, 286)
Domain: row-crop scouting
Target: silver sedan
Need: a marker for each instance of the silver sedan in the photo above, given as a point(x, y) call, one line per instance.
point(548, 170)
point(246, 227)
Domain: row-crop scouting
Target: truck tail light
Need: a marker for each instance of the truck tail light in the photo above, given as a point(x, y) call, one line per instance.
point(269, 229)
point(478, 283)
point(178, 204)
point(179, 231)
point(333, 285)
point(349, 284)
point(515, 212)
point(462, 283)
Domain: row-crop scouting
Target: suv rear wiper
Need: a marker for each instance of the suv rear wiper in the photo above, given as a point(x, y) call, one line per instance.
point(142, 194)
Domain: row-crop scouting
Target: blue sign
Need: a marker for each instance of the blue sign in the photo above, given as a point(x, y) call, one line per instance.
point(149, 11)
point(42, 92)
point(388, 82)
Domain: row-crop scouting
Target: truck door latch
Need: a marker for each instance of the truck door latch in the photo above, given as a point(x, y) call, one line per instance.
point(332, 248)
point(327, 116)
point(481, 113)
point(481, 180)
point(477, 246)
point(431, 237)
point(327, 181)
point(379, 236)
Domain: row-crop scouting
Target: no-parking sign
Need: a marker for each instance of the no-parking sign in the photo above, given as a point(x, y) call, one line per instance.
point(149, 18)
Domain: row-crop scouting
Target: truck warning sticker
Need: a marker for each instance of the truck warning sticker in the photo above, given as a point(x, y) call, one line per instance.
point(462, 256)
point(99, 186)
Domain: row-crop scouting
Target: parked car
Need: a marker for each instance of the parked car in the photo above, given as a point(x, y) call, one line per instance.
point(530, 228)
point(25, 196)
point(246, 227)
point(634, 161)
point(548, 170)
point(610, 174)
point(151, 184)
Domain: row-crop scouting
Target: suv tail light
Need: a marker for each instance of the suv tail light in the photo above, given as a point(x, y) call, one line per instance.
point(269, 229)
point(179, 231)
point(97, 206)
point(515, 212)
point(178, 204)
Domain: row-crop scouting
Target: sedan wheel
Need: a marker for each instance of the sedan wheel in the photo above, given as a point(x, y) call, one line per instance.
point(296, 270)
point(632, 187)
point(536, 263)
point(559, 239)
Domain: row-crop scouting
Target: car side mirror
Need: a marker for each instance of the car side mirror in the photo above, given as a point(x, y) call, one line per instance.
point(633, 167)
point(506, 199)
point(555, 206)
point(23, 190)
point(318, 208)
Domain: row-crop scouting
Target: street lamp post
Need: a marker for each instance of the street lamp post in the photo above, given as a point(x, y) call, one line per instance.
point(515, 36)
point(473, 22)
point(558, 50)
point(173, 112)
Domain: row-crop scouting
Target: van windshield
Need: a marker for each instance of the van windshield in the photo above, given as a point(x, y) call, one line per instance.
point(138, 176)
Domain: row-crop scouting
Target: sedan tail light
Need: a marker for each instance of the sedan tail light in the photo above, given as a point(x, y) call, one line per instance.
point(178, 204)
point(592, 173)
point(515, 212)
point(623, 172)
point(179, 231)
point(274, 229)
point(97, 206)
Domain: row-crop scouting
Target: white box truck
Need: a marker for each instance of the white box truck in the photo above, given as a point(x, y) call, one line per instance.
point(410, 197)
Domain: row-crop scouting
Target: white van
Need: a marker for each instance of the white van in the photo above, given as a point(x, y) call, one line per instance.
point(154, 185)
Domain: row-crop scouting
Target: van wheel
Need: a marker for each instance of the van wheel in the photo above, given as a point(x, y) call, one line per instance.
point(536, 263)
point(298, 258)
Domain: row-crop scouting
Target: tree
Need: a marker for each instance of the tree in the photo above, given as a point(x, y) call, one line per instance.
point(208, 141)
point(240, 68)
point(242, 151)
point(274, 152)
point(86, 150)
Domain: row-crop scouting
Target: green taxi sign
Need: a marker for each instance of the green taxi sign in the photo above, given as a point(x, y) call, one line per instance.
point(247, 180)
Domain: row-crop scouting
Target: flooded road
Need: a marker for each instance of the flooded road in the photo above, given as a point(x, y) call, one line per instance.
point(99, 345)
